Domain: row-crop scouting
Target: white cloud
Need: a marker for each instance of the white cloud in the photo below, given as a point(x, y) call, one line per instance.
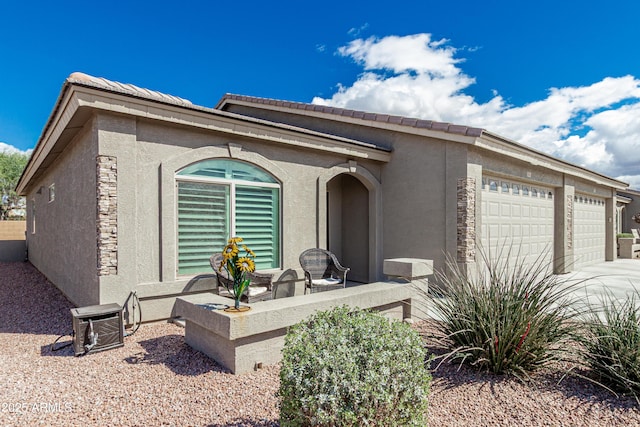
point(596, 126)
point(633, 180)
point(355, 32)
point(9, 149)
point(401, 54)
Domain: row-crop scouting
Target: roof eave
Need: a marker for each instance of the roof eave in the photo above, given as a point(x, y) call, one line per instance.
point(501, 145)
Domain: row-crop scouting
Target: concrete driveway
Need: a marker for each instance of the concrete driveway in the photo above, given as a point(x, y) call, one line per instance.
point(619, 277)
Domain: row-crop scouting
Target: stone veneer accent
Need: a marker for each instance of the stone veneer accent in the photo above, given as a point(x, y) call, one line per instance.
point(107, 214)
point(569, 222)
point(466, 227)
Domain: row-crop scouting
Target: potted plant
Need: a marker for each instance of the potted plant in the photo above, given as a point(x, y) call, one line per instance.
point(238, 268)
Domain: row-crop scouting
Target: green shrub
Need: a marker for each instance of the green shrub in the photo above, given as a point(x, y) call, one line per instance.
point(346, 367)
point(508, 316)
point(624, 235)
point(612, 343)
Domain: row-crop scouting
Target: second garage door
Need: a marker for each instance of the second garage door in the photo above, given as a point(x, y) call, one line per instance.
point(589, 231)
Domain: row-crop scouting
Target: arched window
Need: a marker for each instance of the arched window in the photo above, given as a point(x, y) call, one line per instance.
point(221, 198)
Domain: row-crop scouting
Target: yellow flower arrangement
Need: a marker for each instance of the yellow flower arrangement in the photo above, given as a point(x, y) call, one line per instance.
point(238, 267)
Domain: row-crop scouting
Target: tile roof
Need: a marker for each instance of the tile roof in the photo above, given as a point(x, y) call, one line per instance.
point(383, 118)
point(127, 89)
point(101, 83)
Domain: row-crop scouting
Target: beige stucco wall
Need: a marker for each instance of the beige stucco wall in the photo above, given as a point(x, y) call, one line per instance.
point(630, 210)
point(418, 184)
point(150, 153)
point(415, 200)
point(63, 244)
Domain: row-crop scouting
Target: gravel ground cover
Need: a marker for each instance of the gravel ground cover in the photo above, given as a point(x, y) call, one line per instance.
point(158, 380)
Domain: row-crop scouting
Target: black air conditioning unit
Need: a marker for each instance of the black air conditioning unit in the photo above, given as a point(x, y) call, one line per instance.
point(97, 328)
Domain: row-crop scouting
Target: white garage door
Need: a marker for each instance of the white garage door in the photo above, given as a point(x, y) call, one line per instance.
point(589, 231)
point(519, 216)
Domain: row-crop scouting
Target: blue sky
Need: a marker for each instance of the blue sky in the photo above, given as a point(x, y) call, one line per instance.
point(561, 77)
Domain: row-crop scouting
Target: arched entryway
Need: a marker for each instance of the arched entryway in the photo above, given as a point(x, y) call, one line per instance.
point(350, 219)
point(348, 224)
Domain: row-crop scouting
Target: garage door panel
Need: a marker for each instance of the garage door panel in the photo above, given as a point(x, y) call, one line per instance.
point(494, 209)
point(535, 212)
point(516, 230)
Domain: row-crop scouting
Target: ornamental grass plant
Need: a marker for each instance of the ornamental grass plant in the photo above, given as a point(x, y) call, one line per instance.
point(509, 316)
point(351, 367)
point(612, 343)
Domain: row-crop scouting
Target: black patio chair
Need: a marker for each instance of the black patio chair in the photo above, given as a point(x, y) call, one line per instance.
point(322, 271)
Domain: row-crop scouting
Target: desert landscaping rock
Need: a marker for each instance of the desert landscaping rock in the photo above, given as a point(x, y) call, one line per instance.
point(158, 380)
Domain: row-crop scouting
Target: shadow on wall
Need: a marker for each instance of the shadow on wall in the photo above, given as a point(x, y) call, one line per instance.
point(13, 250)
point(12, 241)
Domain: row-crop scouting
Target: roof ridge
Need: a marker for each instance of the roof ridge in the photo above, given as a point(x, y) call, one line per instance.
point(125, 88)
point(358, 114)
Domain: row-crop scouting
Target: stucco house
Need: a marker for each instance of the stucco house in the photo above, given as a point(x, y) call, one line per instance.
point(132, 190)
point(628, 210)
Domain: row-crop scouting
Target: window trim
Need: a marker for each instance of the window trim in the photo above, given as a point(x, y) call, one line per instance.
point(167, 181)
point(518, 187)
point(33, 216)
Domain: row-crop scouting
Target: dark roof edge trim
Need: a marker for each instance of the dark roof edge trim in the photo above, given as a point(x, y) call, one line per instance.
point(552, 158)
point(404, 121)
point(355, 114)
